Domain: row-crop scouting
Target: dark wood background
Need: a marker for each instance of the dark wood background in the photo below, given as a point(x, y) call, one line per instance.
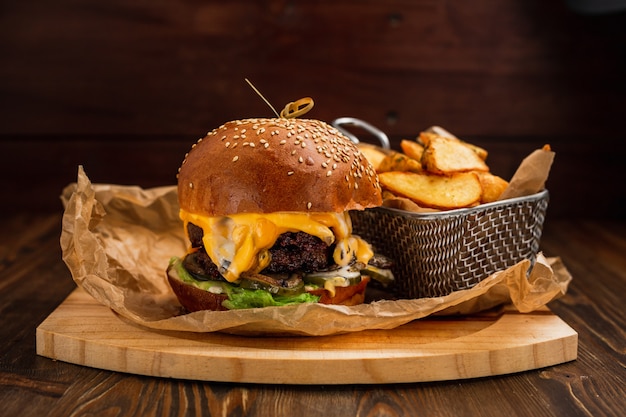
point(125, 88)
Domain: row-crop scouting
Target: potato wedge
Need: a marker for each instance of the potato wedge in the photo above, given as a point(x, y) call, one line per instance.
point(372, 154)
point(493, 186)
point(412, 149)
point(445, 156)
point(442, 192)
point(434, 131)
point(482, 153)
point(425, 137)
point(440, 131)
point(397, 161)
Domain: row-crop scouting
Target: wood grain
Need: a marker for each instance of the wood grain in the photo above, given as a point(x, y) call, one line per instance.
point(83, 332)
point(495, 68)
point(126, 89)
point(34, 169)
point(35, 282)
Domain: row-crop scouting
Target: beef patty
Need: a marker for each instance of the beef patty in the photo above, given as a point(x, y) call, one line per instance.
point(292, 252)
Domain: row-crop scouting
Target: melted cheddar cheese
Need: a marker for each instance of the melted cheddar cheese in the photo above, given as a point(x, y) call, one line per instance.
point(241, 242)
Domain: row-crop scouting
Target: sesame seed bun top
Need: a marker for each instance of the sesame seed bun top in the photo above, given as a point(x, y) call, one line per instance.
point(271, 165)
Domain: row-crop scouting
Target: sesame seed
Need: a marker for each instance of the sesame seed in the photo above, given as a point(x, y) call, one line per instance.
point(191, 185)
point(235, 158)
point(282, 142)
point(252, 144)
point(227, 144)
point(290, 173)
point(308, 205)
point(293, 152)
point(266, 145)
point(329, 173)
point(301, 159)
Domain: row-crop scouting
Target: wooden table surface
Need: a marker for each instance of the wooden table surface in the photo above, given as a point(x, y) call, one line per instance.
point(34, 281)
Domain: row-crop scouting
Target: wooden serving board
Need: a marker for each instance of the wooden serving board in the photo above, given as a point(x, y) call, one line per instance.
point(84, 332)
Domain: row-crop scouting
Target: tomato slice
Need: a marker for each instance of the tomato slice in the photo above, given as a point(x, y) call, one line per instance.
point(350, 295)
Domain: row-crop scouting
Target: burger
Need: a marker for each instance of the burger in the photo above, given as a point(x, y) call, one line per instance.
point(265, 206)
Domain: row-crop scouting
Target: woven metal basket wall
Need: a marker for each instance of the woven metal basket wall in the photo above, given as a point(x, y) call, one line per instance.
point(438, 253)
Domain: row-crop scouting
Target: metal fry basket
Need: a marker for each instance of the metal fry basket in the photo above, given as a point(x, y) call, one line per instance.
point(438, 253)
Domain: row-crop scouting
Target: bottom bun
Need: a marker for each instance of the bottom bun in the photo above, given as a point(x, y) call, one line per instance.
point(194, 298)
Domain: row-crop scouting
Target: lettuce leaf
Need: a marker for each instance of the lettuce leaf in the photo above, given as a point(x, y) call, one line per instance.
point(238, 297)
point(244, 298)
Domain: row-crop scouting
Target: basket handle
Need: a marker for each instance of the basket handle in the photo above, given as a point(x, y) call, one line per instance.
point(352, 121)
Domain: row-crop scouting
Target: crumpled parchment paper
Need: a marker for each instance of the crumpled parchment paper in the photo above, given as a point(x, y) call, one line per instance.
point(117, 240)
